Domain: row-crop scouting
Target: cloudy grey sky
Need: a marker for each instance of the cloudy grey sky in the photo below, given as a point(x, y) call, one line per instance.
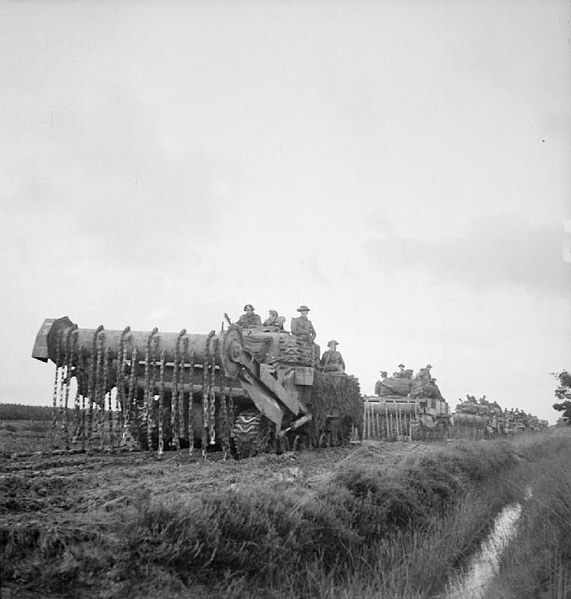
point(401, 167)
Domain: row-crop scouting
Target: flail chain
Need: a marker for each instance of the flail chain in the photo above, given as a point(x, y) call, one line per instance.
point(212, 394)
point(190, 412)
point(161, 442)
point(150, 364)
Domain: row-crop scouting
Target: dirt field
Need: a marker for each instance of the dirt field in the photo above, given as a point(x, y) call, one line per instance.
point(45, 485)
point(70, 507)
point(79, 487)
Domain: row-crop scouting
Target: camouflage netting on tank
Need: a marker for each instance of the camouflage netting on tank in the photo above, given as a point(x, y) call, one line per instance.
point(394, 386)
point(335, 394)
point(422, 388)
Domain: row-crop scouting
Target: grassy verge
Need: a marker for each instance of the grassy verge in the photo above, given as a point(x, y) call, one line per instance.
point(417, 561)
point(537, 565)
point(368, 522)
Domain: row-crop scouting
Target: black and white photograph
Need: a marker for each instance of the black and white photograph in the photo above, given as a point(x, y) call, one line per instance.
point(286, 300)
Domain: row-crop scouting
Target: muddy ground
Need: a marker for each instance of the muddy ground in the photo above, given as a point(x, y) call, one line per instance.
point(71, 527)
point(81, 487)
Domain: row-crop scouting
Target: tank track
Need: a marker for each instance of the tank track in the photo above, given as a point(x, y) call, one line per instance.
point(251, 434)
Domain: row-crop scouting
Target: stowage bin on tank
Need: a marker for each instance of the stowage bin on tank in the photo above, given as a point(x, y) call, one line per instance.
point(246, 390)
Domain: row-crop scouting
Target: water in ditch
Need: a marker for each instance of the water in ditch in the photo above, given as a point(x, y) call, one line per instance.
point(473, 583)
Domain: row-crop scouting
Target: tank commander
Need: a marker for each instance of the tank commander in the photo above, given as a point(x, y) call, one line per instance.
point(301, 326)
point(424, 373)
point(249, 319)
point(378, 383)
point(401, 374)
point(332, 360)
point(275, 321)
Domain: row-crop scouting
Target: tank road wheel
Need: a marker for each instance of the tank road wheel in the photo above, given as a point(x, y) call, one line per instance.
point(345, 431)
point(251, 434)
point(300, 443)
point(283, 445)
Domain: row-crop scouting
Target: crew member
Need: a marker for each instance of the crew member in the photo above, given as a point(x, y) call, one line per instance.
point(249, 319)
point(301, 326)
point(379, 383)
point(424, 373)
point(274, 321)
point(332, 360)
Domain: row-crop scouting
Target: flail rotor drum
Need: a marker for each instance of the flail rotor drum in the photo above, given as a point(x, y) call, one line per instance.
point(169, 388)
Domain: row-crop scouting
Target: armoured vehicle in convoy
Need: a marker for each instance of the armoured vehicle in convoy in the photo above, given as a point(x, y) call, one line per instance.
point(477, 419)
point(480, 419)
point(406, 407)
point(245, 390)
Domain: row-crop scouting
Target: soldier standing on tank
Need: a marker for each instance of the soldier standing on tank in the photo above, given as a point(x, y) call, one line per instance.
point(401, 374)
point(249, 319)
point(332, 360)
point(302, 327)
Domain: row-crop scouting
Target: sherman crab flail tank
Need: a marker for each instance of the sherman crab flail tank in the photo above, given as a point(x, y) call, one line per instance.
point(244, 390)
point(406, 407)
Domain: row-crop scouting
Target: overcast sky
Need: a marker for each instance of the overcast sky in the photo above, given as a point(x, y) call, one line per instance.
point(401, 167)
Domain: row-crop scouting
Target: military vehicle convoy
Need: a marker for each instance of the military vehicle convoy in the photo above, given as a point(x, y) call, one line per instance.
point(244, 390)
point(406, 407)
point(479, 418)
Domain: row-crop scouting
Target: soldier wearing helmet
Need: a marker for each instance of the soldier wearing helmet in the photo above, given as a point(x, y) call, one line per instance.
point(424, 373)
point(249, 319)
point(332, 360)
point(301, 326)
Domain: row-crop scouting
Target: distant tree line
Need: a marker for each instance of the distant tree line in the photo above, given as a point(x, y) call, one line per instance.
point(15, 411)
point(563, 392)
